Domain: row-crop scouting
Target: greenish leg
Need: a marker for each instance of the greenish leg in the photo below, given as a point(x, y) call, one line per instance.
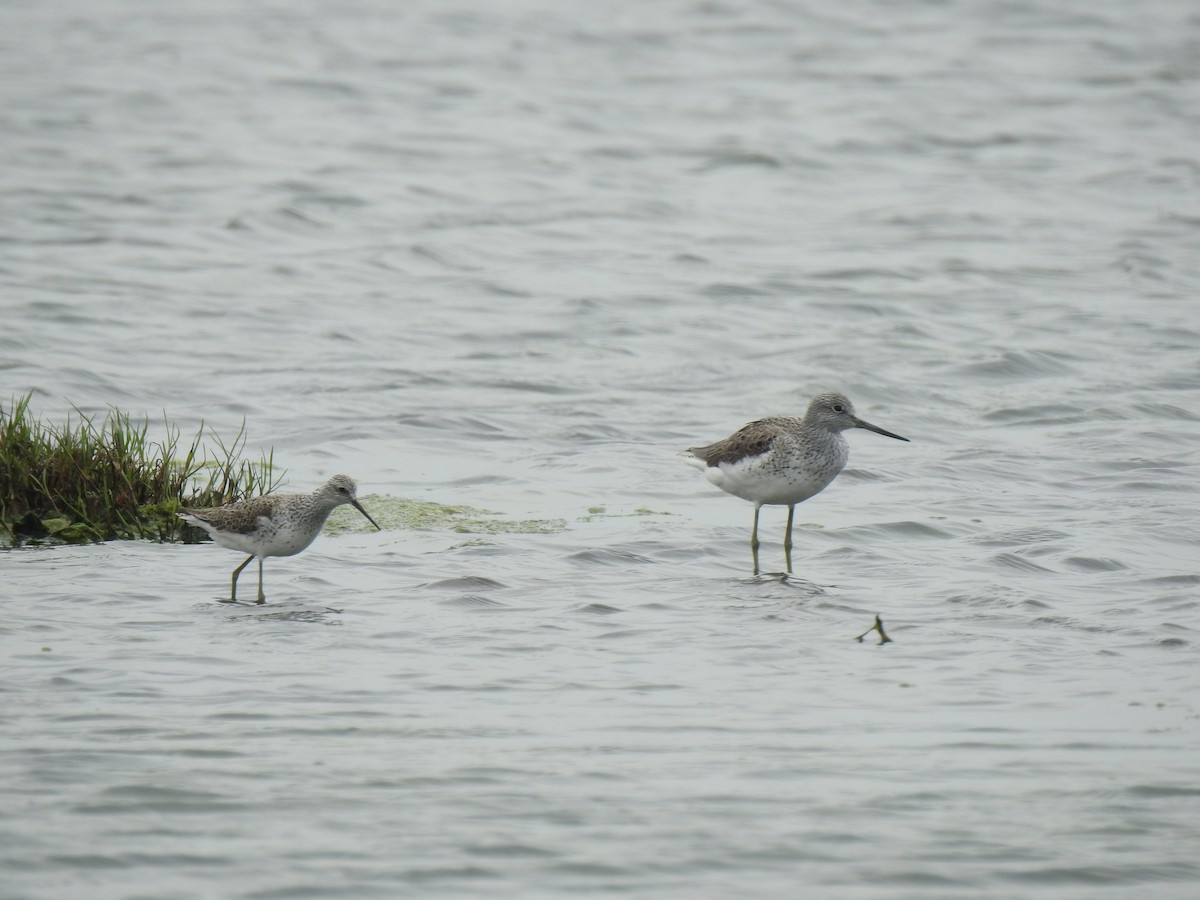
point(754, 538)
point(262, 598)
point(787, 539)
point(233, 587)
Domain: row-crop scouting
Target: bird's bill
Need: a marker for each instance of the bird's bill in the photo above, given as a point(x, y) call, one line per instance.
point(359, 507)
point(859, 423)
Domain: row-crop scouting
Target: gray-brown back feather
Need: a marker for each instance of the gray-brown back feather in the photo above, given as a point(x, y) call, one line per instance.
point(750, 440)
point(240, 517)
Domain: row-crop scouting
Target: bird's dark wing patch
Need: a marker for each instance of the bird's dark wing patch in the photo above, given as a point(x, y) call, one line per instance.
point(749, 441)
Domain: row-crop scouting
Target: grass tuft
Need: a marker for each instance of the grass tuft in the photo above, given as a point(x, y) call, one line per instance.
point(85, 481)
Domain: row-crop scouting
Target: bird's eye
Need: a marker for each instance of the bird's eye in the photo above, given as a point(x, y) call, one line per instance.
point(837, 407)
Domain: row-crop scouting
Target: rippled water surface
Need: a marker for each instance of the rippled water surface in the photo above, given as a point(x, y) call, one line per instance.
point(516, 256)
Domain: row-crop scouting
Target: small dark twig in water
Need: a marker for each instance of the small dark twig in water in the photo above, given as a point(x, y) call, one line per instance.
point(878, 626)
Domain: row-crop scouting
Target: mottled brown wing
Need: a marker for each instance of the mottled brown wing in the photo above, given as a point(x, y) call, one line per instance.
point(750, 440)
point(240, 517)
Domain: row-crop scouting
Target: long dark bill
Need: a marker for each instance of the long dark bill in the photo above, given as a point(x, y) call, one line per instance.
point(859, 423)
point(358, 506)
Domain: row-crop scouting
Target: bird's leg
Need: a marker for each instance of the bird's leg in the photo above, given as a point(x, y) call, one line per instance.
point(262, 598)
point(233, 587)
point(754, 538)
point(787, 539)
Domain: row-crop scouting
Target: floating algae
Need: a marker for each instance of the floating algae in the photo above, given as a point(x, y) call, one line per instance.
point(400, 513)
point(600, 511)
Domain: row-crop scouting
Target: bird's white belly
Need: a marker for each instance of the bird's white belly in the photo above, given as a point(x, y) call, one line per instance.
point(288, 541)
point(757, 480)
point(266, 538)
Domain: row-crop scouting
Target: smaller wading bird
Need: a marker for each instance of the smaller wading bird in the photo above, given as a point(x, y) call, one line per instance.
point(783, 460)
point(274, 525)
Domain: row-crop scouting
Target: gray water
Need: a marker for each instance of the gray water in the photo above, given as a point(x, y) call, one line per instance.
point(516, 256)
